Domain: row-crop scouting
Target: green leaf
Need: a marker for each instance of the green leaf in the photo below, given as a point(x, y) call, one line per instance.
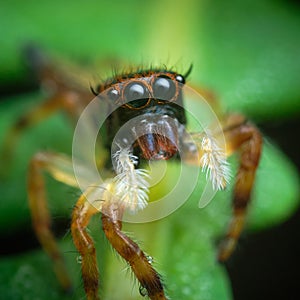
point(245, 52)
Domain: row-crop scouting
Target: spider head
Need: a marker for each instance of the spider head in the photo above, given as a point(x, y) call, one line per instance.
point(150, 102)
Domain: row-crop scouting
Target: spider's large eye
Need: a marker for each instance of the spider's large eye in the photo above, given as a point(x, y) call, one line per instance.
point(164, 88)
point(136, 94)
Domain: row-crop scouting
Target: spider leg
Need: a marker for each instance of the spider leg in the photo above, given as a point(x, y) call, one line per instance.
point(63, 100)
point(67, 92)
point(246, 138)
point(81, 216)
point(60, 167)
point(130, 251)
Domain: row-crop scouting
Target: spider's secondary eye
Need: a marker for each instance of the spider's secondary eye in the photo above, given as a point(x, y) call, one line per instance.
point(113, 94)
point(137, 95)
point(164, 88)
point(180, 79)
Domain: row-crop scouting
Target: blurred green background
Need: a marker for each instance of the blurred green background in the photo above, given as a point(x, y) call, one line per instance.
point(247, 53)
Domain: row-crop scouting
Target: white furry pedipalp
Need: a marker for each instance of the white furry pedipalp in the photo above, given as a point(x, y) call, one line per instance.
point(214, 162)
point(132, 187)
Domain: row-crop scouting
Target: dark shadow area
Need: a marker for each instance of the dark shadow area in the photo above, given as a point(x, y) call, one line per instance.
point(267, 264)
point(25, 240)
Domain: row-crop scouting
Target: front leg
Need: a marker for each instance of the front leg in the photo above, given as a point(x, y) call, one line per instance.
point(130, 251)
point(81, 216)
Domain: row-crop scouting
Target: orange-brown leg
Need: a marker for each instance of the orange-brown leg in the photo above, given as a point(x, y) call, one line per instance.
point(40, 215)
point(67, 101)
point(130, 251)
point(81, 216)
point(60, 167)
point(246, 138)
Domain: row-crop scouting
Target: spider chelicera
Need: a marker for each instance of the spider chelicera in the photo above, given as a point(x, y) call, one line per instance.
point(156, 96)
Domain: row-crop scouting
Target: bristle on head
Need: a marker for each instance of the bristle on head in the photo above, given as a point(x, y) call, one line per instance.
point(119, 75)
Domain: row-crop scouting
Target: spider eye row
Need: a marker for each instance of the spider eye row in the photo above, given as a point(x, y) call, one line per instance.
point(137, 93)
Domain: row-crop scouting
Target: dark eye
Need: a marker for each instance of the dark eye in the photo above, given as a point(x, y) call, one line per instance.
point(136, 95)
point(113, 94)
point(180, 78)
point(164, 88)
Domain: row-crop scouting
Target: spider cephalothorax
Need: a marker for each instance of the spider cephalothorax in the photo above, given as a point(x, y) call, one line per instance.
point(155, 96)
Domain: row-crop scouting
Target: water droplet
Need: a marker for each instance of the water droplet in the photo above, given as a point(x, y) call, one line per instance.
point(79, 259)
point(143, 291)
point(150, 259)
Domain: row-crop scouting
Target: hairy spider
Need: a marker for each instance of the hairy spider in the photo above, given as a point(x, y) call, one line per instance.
point(154, 98)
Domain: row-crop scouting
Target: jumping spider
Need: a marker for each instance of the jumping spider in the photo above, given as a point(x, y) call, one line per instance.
point(156, 96)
